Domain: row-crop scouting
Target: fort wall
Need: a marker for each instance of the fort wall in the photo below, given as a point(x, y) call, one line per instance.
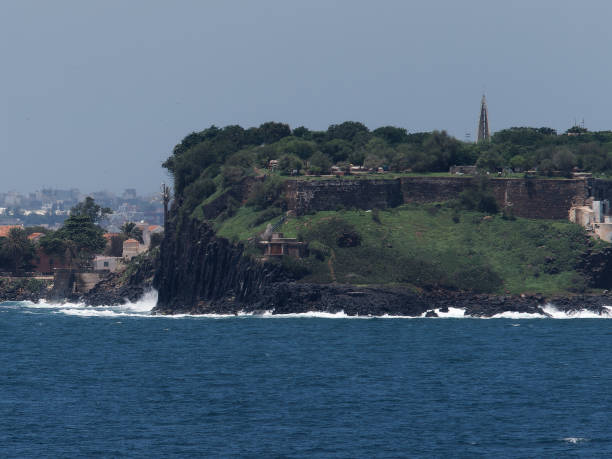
point(529, 198)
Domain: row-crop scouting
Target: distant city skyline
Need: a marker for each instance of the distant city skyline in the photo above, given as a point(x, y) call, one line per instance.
point(95, 95)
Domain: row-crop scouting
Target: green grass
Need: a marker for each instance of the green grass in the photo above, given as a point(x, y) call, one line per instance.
point(421, 245)
point(243, 224)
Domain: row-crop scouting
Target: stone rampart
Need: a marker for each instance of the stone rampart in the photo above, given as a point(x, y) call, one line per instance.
point(304, 196)
point(529, 198)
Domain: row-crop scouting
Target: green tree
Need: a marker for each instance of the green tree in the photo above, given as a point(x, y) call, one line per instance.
point(88, 208)
point(130, 231)
point(392, 135)
point(287, 164)
point(17, 250)
point(319, 163)
point(346, 131)
point(271, 132)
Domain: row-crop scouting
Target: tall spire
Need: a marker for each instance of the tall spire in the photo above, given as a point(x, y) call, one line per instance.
point(484, 134)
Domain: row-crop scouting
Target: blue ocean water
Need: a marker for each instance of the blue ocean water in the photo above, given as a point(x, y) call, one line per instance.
point(113, 382)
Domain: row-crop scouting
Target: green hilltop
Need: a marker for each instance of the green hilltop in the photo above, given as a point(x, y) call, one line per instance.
point(466, 244)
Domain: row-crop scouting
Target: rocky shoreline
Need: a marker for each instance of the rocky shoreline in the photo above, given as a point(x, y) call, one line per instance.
point(294, 297)
point(197, 272)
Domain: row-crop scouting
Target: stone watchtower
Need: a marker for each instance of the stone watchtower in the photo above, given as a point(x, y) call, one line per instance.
point(484, 134)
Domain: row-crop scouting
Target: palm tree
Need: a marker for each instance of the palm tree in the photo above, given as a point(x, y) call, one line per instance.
point(130, 230)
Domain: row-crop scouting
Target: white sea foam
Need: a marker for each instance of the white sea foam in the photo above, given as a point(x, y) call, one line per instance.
point(517, 315)
point(552, 312)
point(143, 307)
point(575, 440)
point(140, 308)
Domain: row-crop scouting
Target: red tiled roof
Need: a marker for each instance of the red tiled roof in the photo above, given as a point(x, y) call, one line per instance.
point(131, 241)
point(34, 236)
point(6, 229)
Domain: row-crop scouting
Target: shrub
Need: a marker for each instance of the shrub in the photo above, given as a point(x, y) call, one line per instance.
point(266, 193)
point(319, 250)
point(294, 267)
point(332, 232)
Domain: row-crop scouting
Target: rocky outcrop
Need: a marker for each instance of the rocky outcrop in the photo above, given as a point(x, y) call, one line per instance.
point(129, 285)
point(197, 268)
point(24, 289)
point(597, 267)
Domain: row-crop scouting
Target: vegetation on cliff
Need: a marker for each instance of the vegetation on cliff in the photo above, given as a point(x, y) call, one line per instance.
point(432, 246)
point(215, 159)
point(465, 244)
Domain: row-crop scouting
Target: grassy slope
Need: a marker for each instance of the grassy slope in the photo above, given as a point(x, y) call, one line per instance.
point(422, 245)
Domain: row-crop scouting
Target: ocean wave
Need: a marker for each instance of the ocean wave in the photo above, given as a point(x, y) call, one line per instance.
point(144, 307)
point(140, 308)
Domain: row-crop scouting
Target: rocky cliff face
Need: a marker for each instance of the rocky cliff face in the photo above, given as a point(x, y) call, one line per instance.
point(199, 270)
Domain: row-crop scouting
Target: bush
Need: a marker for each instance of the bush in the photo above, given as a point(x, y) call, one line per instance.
point(294, 267)
point(266, 193)
point(332, 232)
point(477, 197)
point(319, 250)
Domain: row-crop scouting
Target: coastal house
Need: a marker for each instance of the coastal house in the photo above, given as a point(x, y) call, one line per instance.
point(278, 246)
point(104, 263)
point(35, 237)
point(595, 217)
point(6, 229)
point(46, 264)
point(131, 248)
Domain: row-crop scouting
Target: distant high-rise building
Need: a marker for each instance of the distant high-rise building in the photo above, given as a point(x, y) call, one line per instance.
point(484, 134)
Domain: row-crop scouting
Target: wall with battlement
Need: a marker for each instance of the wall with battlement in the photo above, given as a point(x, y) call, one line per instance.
point(529, 198)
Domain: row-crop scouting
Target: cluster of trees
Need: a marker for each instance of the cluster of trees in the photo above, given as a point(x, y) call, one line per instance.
point(221, 157)
point(16, 251)
point(543, 150)
point(76, 241)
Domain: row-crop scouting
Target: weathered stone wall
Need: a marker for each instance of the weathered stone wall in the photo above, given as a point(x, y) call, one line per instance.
point(304, 196)
point(529, 198)
point(540, 198)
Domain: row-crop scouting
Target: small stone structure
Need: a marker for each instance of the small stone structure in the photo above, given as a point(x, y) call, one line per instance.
point(131, 248)
point(278, 245)
point(595, 217)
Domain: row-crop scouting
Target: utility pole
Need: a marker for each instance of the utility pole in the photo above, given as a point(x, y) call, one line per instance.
point(165, 192)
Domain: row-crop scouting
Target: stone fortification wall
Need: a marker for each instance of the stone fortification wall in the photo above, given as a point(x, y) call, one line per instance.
point(529, 198)
point(304, 196)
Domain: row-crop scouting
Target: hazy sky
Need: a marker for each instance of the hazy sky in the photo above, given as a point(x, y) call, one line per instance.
point(94, 94)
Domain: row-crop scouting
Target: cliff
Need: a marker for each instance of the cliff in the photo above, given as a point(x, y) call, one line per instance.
point(198, 269)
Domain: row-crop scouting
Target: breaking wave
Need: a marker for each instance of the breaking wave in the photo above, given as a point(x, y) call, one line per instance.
point(144, 306)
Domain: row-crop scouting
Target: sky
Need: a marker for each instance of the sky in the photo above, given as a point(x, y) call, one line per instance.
point(95, 94)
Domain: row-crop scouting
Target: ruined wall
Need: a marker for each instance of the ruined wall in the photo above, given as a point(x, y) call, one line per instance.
point(529, 198)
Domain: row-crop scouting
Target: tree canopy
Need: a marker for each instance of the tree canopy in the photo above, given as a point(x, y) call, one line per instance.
point(221, 157)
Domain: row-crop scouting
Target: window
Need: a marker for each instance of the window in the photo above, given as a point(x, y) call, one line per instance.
point(106, 264)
